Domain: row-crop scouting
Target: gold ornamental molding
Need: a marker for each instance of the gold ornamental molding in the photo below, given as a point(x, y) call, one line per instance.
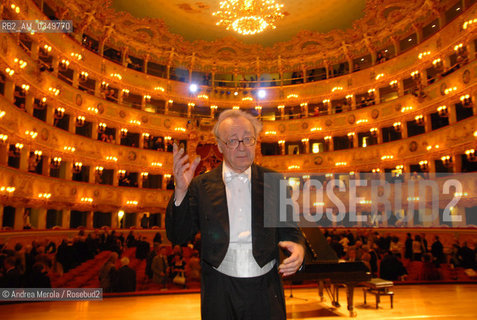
point(384, 22)
point(65, 194)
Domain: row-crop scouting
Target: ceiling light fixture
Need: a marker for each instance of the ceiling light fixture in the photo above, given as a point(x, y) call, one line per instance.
point(248, 17)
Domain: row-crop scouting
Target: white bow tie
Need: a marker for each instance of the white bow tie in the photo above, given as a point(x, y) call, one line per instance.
point(230, 176)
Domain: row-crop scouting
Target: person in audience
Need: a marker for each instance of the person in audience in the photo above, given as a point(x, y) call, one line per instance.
point(43, 258)
point(107, 273)
point(391, 268)
point(20, 258)
point(130, 240)
point(150, 258)
point(455, 259)
point(395, 247)
point(50, 247)
point(38, 278)
point(344, 241)
point(408, 247)
point(429, 269)
point(336, 246)
point(424, 245)
point(66, 255)
point(176, 249)
point(12, 277)
point(144, 222)
point(437, 251)
point(160, 267)
point(159, 144)
point(111, 95)
point(142, 249)
point(366, 257)
point(193, 267)
point(467, 256)
point(417, 248)
point(177, 266)
point(125, 277)
point(316, 112)
point(157, 238)
point(475, 252)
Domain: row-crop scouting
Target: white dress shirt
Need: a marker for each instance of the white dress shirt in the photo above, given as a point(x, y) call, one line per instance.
point(239, 261)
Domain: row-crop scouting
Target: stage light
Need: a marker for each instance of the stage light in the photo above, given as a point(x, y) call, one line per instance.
point(193, 88)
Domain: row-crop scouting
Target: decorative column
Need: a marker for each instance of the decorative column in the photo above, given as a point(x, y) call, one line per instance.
point(45, 165)
point(115, 178)
point(72, 124)
point(395, 41)
point(427, 123)
point(404, 133)
point(146, 61)
point(9, 90)
point(330, 143)
point(50, 114)
point(4, 153)
point(281, 143)
point(75, 78)
point(89, 219)
point(68, 170)
point(94, 129)
point(29, 100)
point(380, 136)
point(121, 97)
point(66, 217)
point(457, 163)
point(452, 114)
point(355, 140)
point(55, 65)
point(306, 144)
point(418, 29)
point(19, 222)
point(24, 158)
point(115, 220)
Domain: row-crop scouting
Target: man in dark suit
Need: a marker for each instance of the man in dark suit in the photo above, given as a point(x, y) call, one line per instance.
point(239, 252)
point(125, 277)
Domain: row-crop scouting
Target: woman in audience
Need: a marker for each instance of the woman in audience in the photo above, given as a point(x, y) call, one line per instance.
point(107, 274)
point(177, 267)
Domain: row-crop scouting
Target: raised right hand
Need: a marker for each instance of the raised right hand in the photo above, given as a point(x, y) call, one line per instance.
point(183, 171)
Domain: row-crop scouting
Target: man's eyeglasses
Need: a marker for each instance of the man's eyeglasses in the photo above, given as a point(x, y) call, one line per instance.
point(234, 142)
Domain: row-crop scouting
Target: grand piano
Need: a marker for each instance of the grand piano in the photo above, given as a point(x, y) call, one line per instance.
point(322, 265)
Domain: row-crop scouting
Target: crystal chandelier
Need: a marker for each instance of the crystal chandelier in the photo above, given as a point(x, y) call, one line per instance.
point(248, 17)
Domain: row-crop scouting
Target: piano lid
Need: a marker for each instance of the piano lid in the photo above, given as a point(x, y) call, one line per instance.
point(317, 248)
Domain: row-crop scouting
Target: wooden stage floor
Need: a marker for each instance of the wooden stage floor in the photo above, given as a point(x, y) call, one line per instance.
point(442, 301)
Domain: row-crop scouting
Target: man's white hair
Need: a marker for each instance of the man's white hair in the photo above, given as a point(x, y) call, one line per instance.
point(124, 261)
point(257, 125)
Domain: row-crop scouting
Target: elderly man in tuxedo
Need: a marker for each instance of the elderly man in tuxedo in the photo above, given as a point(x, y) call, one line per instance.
point(239, 251)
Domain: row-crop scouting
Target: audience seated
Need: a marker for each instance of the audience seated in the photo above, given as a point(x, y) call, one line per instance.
point(80, 263)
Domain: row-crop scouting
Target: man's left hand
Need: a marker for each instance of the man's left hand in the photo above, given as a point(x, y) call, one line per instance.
point(291, 264)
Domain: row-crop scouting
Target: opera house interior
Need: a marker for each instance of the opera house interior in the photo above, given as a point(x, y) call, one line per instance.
point(94, 94)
